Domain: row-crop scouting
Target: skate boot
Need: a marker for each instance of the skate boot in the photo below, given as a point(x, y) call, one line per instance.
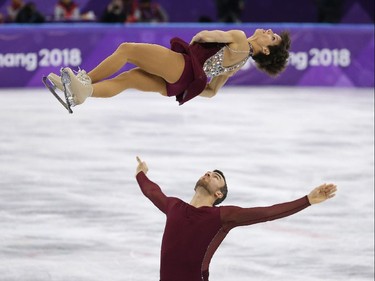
point(56, 81)
point(77, 88)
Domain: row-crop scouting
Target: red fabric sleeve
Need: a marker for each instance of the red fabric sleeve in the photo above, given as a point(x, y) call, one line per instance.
point(233, 216)
point(152, 191)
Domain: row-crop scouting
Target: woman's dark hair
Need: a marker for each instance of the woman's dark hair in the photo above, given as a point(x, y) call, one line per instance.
point(224, 189)
point(275, 62)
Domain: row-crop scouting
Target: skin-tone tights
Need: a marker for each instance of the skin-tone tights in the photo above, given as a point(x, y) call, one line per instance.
point(155, 65)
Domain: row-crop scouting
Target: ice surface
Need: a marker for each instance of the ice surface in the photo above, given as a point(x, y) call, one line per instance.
point(71, 210)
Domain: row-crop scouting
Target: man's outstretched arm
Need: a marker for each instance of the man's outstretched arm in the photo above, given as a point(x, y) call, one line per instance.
point(235, 216)
point(150, 189)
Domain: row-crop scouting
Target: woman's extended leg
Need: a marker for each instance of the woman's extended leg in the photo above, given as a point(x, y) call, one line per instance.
point(135, 78)
point(152, 58)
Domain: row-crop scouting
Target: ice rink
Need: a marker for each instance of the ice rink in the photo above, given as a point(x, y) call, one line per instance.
point(71, 210)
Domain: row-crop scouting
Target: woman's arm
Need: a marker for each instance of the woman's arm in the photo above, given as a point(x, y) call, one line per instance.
point(219, 36)
point(213, 87)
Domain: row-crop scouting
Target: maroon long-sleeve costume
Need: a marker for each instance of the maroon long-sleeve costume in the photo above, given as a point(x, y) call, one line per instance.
point(192, 235)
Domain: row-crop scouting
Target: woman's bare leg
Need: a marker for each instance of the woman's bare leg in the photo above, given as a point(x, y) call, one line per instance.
point(135, 78)
point(152, 58)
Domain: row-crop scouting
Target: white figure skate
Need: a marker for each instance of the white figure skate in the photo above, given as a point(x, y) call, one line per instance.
point(76, 87)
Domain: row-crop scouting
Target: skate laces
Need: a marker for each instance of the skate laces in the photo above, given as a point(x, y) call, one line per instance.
point(82, 76)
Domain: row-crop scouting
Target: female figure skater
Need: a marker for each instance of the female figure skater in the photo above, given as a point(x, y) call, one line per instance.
point(181, 71)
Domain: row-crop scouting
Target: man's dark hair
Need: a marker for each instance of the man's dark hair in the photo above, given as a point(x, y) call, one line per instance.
point(223, 189)
point(275, 62)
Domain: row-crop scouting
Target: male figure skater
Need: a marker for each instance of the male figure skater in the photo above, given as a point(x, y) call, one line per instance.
point(194, 231)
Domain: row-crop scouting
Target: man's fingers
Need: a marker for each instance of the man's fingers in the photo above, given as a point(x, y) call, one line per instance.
point(327, 187)
point(139, 160)
point(331, 188)
point(328, 190)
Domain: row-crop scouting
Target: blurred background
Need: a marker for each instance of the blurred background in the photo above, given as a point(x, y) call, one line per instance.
point(247, 11)
point(333, 40)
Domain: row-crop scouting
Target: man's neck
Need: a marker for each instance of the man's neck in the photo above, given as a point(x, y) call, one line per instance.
point(201, 200)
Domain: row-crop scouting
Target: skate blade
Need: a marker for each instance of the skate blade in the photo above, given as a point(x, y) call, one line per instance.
point(52, 88)
point(65, 79)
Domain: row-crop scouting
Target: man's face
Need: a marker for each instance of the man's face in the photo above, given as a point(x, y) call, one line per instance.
point(211, 182)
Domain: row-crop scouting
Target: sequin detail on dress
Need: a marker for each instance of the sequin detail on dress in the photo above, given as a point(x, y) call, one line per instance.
point(213, 66)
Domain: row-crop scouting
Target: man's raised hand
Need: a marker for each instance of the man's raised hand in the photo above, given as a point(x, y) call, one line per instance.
point(322, 193)
point(142, 166)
